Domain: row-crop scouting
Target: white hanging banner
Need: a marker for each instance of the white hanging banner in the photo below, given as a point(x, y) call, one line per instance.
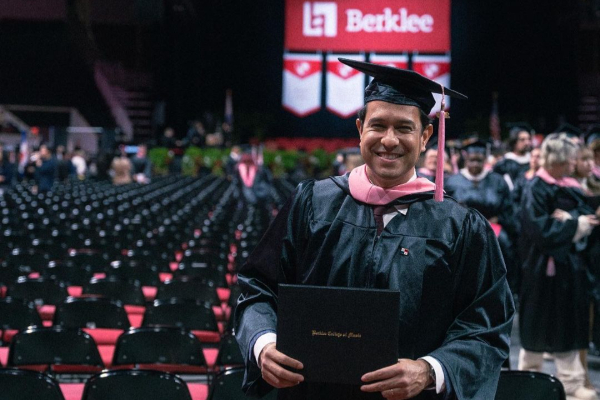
point(345, 86)
point(436, 68)
point(391, 60)
point(302, 74)
point(395, 60)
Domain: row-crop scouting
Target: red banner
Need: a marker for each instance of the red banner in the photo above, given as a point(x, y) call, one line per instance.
point(396, 61)
point(302, 83)
point(377, 25)
point(436, 68)
point(345, 86)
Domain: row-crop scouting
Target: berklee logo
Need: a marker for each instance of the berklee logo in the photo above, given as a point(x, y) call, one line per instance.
point(319, 19)
point(388, 21)
point(404, 251)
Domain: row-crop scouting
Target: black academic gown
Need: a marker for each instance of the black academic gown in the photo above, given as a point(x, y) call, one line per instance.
point(492, 198)
point(511, 168)
point(554, 303)
point(455, 302)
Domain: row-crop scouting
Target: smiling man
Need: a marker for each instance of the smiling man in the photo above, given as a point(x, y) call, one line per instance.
point(379, 227)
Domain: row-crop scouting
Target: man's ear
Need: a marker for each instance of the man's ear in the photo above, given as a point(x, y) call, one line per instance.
point(359, 126)
point(427, 132)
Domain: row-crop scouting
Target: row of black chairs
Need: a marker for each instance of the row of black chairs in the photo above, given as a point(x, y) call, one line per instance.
point(131, 384)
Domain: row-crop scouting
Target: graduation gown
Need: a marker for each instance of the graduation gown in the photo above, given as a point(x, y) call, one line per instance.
point(455, 302)
point(511, 169)
point(554, 305)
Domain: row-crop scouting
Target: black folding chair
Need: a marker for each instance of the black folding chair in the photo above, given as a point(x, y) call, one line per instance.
point(135, 385)
point(17, 315)
point(227, 385)
point(20, 384)
point(61, 350)
point(165, 349)
point(190, 315)
point(39, 290)
point(91, 313)
point(527, 385)
point(115, 289)
point(229, 353)
point(189, 289)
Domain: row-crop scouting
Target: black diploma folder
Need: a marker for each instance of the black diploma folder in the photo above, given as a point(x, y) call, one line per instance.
point(339, 334)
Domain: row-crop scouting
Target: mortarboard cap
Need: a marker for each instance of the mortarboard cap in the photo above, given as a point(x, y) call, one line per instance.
point(592, 134)
point(400, 86)
point(570, 130)
point(475, 147)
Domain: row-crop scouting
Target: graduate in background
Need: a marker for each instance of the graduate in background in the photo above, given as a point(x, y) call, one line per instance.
point(516, 161)
point(554, 304)
point(487, 192)
point(379, 226)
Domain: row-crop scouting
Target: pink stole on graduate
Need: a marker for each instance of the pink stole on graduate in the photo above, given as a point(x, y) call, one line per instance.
point(565, 181)
point(364, 191)
point(248, 173)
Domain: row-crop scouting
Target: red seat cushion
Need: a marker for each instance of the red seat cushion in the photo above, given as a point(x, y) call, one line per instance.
point(47, 312)
point(75, 291)
point(72, 391)
point(3, 356)
point(104, 336)
point(210, 355)
point(219, 313)
point(208, 336)
point(223, 294)
point(149, 292)
point(198, 391)
point(131, 309)
point(106, 353)
point(135, 320)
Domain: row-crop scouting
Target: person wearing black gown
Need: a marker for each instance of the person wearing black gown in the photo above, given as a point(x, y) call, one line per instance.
point(514, 163)
point(487, 192)
point(379, 226)
point(554, 305)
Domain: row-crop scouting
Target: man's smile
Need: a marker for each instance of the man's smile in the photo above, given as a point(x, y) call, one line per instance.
point(386, 155)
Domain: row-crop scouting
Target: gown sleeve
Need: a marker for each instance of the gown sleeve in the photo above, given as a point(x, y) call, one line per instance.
point(548, 234)
point(272, 262)
point(477, 342)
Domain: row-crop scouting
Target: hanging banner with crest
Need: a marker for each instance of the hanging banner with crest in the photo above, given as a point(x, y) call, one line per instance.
point(436, 68)
point(345, 86)
point(302, 75)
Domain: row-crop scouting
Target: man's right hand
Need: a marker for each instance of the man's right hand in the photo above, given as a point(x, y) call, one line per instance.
point(271, 364)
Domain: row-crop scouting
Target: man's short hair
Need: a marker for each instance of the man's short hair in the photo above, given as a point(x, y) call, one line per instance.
point(425, 120)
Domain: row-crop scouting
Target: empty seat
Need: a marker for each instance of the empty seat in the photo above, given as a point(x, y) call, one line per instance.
point(112, 288)
point(16, 315)
point(135, 385)
point(193, 316)
point(102, 318)
point(58, 349)
point(527, 385)
point(38, 290)
point(227, 385)
point(67, 273)
point(166, 349)
point(18, 384)
point(229, 353)
point(189, 289)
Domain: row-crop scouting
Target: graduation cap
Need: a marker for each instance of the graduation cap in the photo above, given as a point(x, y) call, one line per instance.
point(570, 130)
point(400, 86)
point(592, 134)
point(475, 146)
point(404, 87)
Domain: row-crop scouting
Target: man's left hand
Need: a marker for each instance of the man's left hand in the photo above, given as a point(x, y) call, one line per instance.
point(403, 380)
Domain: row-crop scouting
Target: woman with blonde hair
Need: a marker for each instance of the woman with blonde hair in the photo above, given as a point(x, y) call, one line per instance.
point(554, 312)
